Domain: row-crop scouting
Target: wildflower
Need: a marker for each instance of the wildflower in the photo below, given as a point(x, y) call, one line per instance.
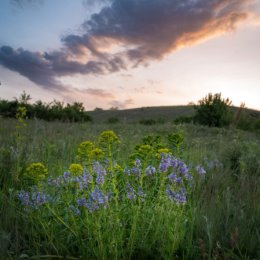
point(97, 153)
point(141, 193)
point(35, 173)
point(34, 200)
point(84, 150)
point(138, 163)
point(96, 200)
point(130, 191)
point(76, 169)
point(100, 172)
point(177, 197)
point(174, 178)
point(75, 210)
point(82, 202)
point(183, 168)
point(165, 163)
point(136, 171)
point(108, 138)
point(24, 198)
point(66, 175)
point(127, 171)
point(150, 170)
point(200, 170)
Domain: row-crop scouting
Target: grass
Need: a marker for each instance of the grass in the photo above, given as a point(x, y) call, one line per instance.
point(219, 221)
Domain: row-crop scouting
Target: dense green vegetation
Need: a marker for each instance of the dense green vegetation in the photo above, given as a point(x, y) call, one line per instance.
point(219, 220)
point(213, 110)
point(55, 110)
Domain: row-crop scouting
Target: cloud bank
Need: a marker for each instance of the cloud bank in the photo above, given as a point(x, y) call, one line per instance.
point(126, 34)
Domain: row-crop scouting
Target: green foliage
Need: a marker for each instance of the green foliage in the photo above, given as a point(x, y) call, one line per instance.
point(159, 121)
point(47, 111)
point(35, 173)
point(175, 142)
point(76, 169)
point(213, 110)
point(112, 120)
point(147, 122)
point(219, 221)
point(184, 120)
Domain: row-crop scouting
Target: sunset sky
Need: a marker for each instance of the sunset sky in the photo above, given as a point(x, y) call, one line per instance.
point(130, 53)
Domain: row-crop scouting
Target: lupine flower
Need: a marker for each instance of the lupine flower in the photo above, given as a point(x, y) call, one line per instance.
point(127, 171)
point(188, 176)
point(82, 202)
point(34, 200)
point(141, 193)
point(200, 170)
point(138, 163)
point(150, 170)
point(166, 162)
point(130, 191)
point(177, 197)
point(75, 210)
point(136, 171)
point(100, 172)
point(66, 175)
point(24, 197)
point(174, 178)
point(183, 168)
point(96, 200)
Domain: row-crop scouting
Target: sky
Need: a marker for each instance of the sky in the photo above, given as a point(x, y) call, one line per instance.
point(130, 53)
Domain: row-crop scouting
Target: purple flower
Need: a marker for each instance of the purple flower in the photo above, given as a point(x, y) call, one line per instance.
point(75, 210)
point(127, 171)
point(200, 170)
point(100, 172)
point(177, 197)
point(150, 170)
point(138, 163)
point(34, 200)
point(96, 200)
point(174, 178)
point(136, 171)
point(141, 193)
point(24, 198)
point(183, 169)
point(130, 191)
point(66, 175)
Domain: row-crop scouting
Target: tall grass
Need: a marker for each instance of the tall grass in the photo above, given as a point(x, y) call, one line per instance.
point(219, 221)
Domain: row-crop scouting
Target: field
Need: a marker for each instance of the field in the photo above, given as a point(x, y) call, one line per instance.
point(132, 205)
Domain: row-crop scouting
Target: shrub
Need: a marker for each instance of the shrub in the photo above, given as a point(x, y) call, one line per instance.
point(112, 120)
point(183, 119)
point(147, 122)
point(213, 110)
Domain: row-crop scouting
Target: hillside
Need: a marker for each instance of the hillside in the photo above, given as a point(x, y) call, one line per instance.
point(167, 113)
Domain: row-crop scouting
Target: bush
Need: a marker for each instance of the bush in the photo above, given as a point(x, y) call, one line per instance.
point(183, 119)
point(112, 120)
point(47, 111)
point(147, 122)
point(213, 111)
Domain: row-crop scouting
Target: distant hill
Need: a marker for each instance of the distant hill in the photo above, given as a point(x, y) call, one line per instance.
point(167, 113)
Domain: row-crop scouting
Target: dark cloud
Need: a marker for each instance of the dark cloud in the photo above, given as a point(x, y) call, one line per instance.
point(31, 65)
point(127, 33)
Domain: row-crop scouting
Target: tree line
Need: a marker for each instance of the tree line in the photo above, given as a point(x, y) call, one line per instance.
point(52, 111)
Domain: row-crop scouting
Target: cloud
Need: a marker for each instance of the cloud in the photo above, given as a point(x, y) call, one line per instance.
point(31, 65)
point(101, 93)
point(121, 104)
point(128, 33)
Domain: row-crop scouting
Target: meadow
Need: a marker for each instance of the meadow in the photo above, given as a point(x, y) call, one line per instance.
point(128, 191)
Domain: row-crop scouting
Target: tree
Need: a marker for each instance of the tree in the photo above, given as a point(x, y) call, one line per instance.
point(213, 110)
